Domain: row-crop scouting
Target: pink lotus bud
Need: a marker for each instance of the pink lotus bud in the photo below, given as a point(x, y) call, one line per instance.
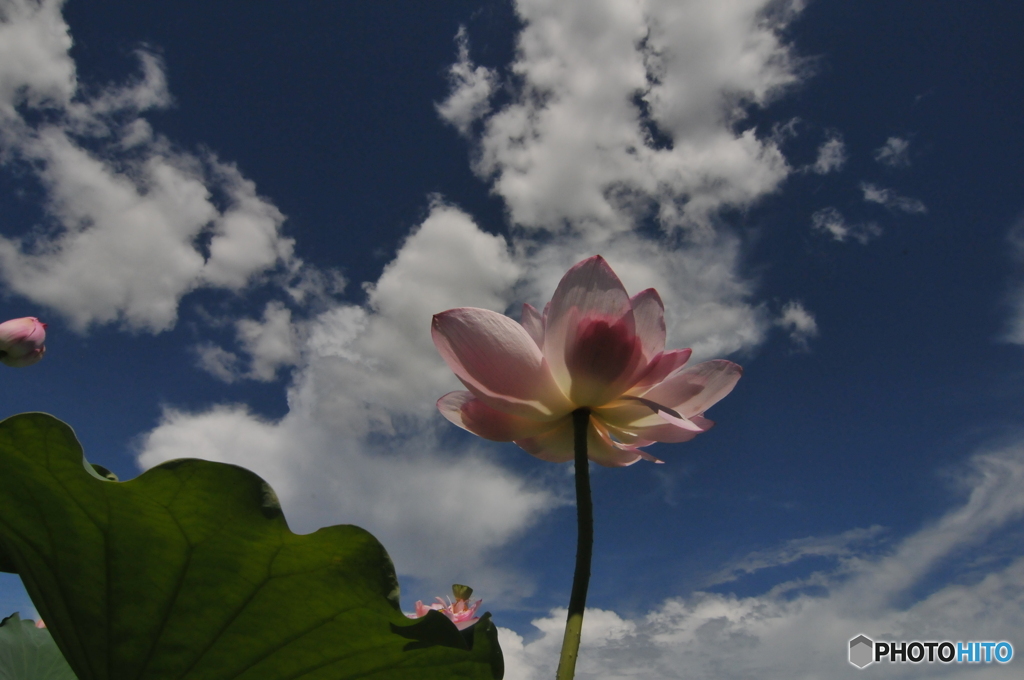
point(21, 341)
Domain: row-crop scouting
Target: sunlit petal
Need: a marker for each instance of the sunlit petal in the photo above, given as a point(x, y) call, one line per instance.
point(649, 316)
point(589, 295)
point(604, 451)
point(533, 322)
point(555, 446)
point(602, 357)
point(659, 368)
point(469, 413)
point(693, 390)
point(499, 362)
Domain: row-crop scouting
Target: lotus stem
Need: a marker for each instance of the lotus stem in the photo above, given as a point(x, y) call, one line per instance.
point(584, 548)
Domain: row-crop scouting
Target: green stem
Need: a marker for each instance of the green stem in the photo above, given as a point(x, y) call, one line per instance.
point(584, 548)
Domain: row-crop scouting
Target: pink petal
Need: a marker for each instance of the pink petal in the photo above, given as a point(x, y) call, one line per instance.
point(533, 322)
point(636, 422)
point(21, 341)
point(649, 316)
point(603, 451)
point(647, 456)
point(661, 367)
point(555, 446)
point(693, 390)
point(666, 433)
point(589, 334)
point(626, 436)
point(499, 362)
point(674, 433)
point(602, 357)
point(469, 413)
point(463, 624)
point(675, 418)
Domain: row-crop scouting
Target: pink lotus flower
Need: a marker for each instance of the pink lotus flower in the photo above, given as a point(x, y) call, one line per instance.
point(594, 347)
point(460, 612)
point(21, 341)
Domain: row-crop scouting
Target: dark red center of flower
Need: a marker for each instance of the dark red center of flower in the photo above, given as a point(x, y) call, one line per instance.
point(603, 350)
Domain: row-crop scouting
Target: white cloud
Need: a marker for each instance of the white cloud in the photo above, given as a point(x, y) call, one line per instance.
point(624, 110)
point(844, 545)
point(124, 221)
point(35, 68)
point(800, 629)
point(218, 362)
point(798, 322)
point(891, 200)
point(895, 153)
point(146, 92)
point(245, 237)
point(471, 89)
point(831, 221)
point(272, 343)
point(831, 155)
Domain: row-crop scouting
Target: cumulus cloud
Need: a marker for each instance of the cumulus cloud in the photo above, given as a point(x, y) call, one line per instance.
point(126, 215)
point(471, 89)
point(830, 221)
point(892, 200)
point(622, 111)
point(271, 343)
point(895, 152)
point(831, 155)
point(800, 629)
point(35, 68)
point(844, 545)
point(218, 361)
point(799, 323)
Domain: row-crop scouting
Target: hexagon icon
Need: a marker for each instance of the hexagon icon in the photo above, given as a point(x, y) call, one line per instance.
point(862, 651)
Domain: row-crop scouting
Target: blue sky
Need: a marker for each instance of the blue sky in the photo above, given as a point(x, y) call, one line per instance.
point(238, 220)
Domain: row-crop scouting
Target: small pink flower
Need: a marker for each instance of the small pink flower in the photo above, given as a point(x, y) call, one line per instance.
point(460, 612)
point(40, 624)
point(594, 347)
point(21, 341)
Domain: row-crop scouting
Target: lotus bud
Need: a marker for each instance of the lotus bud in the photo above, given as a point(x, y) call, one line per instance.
point(21, 341)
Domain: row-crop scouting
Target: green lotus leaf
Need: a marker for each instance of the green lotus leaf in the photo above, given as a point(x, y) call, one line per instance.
point(189, 572)
point(29, 653)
